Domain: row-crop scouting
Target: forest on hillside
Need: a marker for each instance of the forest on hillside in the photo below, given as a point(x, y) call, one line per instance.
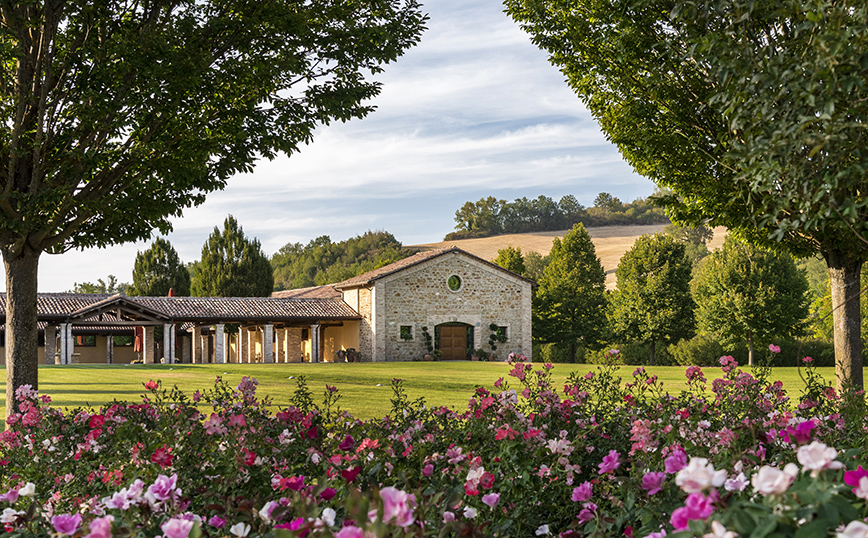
point(490, 216)
point(323, 262)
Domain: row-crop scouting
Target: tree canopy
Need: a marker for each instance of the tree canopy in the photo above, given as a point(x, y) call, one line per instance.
point(118, 115)
point(323, 262)
point(510, 258)
point(490, 216)
point(232, 265)
point(752, 113)
point(158, 270)
point(752, 295)
point(570, 303)
point(652, 301)
point(110, 286)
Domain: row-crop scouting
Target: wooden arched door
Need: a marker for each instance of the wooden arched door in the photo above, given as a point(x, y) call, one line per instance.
point(454, 339)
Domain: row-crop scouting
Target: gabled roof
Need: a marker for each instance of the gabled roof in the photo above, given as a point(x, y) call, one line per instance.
point(372, 276)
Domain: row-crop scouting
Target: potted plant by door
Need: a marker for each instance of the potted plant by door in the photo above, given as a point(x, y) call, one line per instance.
point(429, 345)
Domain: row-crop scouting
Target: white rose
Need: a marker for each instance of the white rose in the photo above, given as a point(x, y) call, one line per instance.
point(817, 456)
point(328, 516)
point(854, 529)
point(240, 529)
point(698, 476)
point(28, 490)
point(470, 512)
point(771, 480)
point(719, 531)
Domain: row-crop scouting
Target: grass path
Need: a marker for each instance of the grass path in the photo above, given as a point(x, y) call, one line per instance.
point(365, 387)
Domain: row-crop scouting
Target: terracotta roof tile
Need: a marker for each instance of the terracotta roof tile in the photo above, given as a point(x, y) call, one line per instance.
point(59, 306)
point(317, 292)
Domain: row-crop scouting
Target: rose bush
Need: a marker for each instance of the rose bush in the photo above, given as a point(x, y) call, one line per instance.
point(600, 457)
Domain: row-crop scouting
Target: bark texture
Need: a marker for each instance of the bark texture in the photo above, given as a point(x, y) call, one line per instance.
point(845, 281)
point(22, 340)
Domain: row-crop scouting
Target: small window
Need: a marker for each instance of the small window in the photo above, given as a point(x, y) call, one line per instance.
point(85, 340)
point(501, 333)
point(406, 332)
point(454, 283)
point(305, 334)
point(122, 341)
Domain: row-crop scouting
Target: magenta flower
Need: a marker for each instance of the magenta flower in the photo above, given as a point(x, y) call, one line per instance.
point(859, 480)
point(588, 511)
point(217, 522)
point(347, 444)
point(66, 524)
point(697, 506)
point(491, 499)
point(653, 482)
point(162, 489)
point(327, 494)
point(350, 531)
point(583, 492)
point(101, 527)
point(610, 462)
point(675, 461)
point(428, 470)
point(801, 434)
point(774, 349)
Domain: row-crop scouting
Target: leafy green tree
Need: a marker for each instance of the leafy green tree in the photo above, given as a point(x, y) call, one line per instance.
point(652, 302)
point(109, 286)
point(570, 303)
point(535, 265)
point(323, 262)
point(752, 113)
point(511, 259)
point(158, 270)
point(118, 115)
point(232, 265)
point(694, 238)
point(745, 293)
point(607, 203)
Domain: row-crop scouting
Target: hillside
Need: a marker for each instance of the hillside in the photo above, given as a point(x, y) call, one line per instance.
point(611, 242)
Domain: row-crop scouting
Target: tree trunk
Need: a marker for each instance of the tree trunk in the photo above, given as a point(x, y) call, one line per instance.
point(22, 335)
point(845, 281)
point(749, 348)
point(651, 359)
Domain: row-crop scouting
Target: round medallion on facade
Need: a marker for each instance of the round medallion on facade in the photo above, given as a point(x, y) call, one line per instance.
point(454, 283)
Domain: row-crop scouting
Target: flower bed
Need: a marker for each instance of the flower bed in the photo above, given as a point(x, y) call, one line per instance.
point(598, 458)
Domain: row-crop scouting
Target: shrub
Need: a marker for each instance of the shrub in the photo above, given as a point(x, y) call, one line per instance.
point(701, 350)
point(633, 353)
point(558, 353)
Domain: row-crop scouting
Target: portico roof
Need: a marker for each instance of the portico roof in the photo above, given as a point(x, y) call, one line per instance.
point(118, 310)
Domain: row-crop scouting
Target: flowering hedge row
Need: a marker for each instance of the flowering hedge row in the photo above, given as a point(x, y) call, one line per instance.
point(597, 457)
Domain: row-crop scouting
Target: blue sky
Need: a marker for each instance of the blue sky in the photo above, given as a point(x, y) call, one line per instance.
point(474, 110)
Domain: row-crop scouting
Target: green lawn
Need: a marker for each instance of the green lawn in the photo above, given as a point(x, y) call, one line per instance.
point(440, 383)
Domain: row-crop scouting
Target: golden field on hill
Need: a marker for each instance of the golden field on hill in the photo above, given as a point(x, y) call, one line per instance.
point(610, 242)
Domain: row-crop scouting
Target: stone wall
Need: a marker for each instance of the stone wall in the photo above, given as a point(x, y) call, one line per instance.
point(420, 297)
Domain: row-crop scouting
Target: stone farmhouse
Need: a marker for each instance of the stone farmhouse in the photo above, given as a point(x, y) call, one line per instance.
point(449, 298)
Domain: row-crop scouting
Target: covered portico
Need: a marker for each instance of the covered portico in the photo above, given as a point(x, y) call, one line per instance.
point(199, 329)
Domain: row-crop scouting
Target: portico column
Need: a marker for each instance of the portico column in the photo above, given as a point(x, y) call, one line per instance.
point(268, 343)
point(64, 344)
point(50, 343)
point(251, 344)
point(71, 347)
point(314, 342)
point(109, 349)
point(281, 346)
point(168, 343)
point(219, 345)
point(149, 350)
point(197, 345)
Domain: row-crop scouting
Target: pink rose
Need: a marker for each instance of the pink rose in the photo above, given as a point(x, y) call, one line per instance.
point(398, 506)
